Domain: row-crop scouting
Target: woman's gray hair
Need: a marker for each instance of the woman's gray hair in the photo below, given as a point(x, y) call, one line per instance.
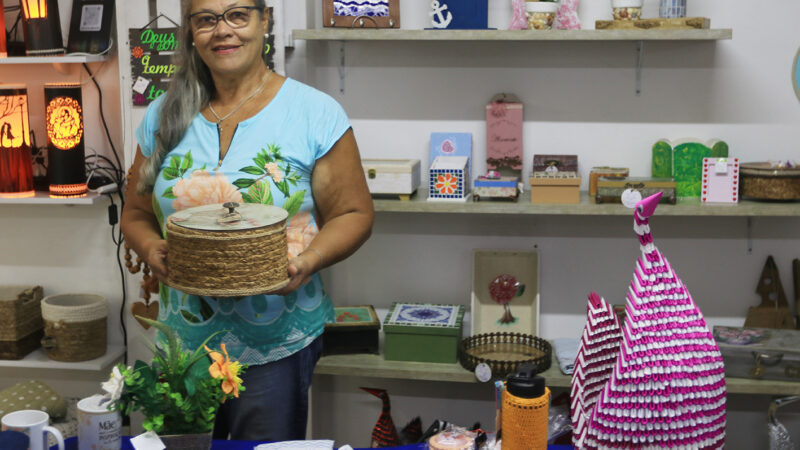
point(189, 92)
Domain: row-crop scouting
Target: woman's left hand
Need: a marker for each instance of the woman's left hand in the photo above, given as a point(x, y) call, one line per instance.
point(301, 268)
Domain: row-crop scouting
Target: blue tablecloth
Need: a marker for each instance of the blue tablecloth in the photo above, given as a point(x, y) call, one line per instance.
point(72, 444)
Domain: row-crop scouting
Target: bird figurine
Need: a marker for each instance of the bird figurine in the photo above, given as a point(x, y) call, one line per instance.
point(667, 386)
point(412, 432)
point(384, 433)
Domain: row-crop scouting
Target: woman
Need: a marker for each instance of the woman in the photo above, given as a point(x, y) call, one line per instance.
point(227, 118)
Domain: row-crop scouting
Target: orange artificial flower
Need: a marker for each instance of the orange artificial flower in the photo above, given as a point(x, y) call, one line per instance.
point(228, 370)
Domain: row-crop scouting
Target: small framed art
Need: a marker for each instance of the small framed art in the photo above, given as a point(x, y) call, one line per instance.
point(361, 13)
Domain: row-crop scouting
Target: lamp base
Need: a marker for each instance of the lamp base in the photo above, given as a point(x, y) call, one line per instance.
point(68, 190)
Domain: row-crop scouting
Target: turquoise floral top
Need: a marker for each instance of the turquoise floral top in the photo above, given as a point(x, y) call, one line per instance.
point(270, 161)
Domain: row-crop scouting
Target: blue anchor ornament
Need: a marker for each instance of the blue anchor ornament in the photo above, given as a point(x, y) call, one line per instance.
point(439, 18)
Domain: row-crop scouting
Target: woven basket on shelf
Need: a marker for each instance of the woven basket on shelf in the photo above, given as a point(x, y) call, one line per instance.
point(20, 320)
point(221, 251)
point(74, 326)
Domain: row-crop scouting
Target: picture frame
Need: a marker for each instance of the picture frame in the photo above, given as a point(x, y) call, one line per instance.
point(364, 14)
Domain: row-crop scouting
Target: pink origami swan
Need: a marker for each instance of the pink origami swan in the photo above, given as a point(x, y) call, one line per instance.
point(667, 385)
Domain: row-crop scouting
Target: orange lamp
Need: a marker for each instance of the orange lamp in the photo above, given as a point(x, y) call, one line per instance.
point(42, 27)
point(16, 167)
point(65, 149)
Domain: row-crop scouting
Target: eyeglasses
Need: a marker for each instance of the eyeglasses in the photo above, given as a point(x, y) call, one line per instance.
point(236, 17)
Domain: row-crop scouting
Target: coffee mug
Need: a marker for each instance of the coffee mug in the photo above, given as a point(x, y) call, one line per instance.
point(33, 423)
point(98, 428)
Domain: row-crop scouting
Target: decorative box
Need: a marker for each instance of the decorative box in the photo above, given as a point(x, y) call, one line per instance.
point(609, 190)
point(354, 331)
point(449, 179)
point(555, 163)
point(767, 181)
point(760, 353)
point(523, 309)
point(21, 324)
point(496, 188)
point(683, 161)
point(504, 135)
point(604, 172)
point(720, 180)
point(555, 187)
point(423, 332)
point(396, 177)
point(460, 14)
point(451, 144)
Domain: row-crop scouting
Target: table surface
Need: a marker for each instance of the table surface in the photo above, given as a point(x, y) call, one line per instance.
point(72, 444)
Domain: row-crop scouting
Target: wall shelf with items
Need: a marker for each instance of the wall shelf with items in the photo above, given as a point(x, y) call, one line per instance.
point(344, 34)
point(44, 198)
point(374, 366)
point(39, 360)
point(65, 59)
point(745, 208)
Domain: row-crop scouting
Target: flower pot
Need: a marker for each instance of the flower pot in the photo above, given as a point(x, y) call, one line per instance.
point(199, 441)
point(627, 9)
point(541, 15)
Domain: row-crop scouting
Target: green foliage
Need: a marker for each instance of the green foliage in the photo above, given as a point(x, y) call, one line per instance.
point(662, 160)
point(175, 392)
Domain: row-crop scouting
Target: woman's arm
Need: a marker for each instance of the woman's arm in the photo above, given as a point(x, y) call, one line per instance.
point(140, 226)
point(345, 211)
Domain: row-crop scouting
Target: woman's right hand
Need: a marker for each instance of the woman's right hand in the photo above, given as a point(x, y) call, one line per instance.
point(156, 258)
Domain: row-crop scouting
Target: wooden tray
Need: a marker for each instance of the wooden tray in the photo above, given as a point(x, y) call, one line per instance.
point(657, 23)
point(504, 352)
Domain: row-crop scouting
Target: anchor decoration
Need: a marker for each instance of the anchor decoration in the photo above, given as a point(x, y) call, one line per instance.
point(440, 18)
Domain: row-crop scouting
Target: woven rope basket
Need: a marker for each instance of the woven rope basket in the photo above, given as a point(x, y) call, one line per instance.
point(248, 258)
point(74, 326)
point(20, 320)
point(524, 422)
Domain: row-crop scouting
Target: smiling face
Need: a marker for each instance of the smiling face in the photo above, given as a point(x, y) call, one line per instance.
point(234, 46)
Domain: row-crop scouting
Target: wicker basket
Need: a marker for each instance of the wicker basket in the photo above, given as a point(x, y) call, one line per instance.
point(74, 326)
point(763, 181)
point(20, 320)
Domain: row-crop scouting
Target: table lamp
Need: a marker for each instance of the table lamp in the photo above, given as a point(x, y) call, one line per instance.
point(16, 168)
point(42, 27)
point(65, 150)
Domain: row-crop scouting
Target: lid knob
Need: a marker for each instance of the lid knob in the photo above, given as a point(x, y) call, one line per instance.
point(231, 216)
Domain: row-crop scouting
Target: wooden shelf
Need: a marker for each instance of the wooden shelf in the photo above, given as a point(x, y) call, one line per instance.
point(745, 208)
point(374, 366)
point(346, 34)
point(43, 198)
point(63, 59)
point(39, 360)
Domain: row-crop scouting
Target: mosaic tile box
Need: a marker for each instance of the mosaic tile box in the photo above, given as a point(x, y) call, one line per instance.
point(423, 332)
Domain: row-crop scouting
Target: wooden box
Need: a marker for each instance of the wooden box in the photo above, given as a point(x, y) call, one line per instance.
point(759, 353)
point(555, 187)
point(21, 324)
point(604, 172)
point(423, 332)
point(609, 190)
point(396, 177)
point(449, 179)
point(504, 120)
point(555, 163)
point(487, 314)
point(354, 331)
point(496, 188)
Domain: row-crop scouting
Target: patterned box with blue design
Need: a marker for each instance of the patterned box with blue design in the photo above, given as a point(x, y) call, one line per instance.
point(423, 332)
point(449, 179)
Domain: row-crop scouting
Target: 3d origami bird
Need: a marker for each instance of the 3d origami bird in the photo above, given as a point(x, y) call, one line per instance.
point(384, 434)
point(666, 387)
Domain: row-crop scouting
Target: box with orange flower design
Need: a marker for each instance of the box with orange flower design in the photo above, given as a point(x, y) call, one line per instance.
point(355, 330)
point(449, 179)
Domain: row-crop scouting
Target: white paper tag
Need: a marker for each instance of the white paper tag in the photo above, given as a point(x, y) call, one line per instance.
point(147, 441)
point(630, 197)
point(92, 18)
point(483, 372)
point(721, 166)
point(141, 85)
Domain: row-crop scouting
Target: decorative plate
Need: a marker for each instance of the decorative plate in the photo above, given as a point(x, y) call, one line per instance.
point(504, 352)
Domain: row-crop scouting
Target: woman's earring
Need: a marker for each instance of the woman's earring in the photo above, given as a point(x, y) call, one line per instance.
point(192, 44)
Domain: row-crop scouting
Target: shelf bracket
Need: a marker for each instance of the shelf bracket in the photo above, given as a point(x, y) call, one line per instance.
point(639, 62)
point(749, 235)
point(341, 66)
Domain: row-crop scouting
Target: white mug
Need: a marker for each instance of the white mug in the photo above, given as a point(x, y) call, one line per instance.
point(33, 423)
point(98, 428)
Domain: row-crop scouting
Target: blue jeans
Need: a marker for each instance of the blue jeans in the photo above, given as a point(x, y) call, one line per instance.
point(274, 404)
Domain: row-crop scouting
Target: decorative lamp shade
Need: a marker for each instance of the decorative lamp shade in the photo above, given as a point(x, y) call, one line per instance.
point(16, 167)
point(65, 149)
point(42, 27)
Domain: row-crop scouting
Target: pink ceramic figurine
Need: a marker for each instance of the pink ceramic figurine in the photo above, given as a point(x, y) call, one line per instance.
point(667, 387)
point(568, 15)
point(519, 20)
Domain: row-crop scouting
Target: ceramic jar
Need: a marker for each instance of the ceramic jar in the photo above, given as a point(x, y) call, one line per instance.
point(626, 9)
point(541, 15)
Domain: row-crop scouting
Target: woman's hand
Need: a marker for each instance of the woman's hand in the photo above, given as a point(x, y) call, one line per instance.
point(156, 258)
point(301, 268)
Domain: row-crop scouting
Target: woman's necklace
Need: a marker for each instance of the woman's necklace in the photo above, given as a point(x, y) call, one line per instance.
point(253, 94)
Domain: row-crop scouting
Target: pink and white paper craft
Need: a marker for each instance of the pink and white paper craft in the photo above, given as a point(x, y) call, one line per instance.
point(567, 17)
point(519, 20)
point(667, 388)
point(597, 353)
point(720, 180)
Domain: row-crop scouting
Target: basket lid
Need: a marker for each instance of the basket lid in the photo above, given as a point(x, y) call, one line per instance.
point(769, 169)
point(230, 216)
